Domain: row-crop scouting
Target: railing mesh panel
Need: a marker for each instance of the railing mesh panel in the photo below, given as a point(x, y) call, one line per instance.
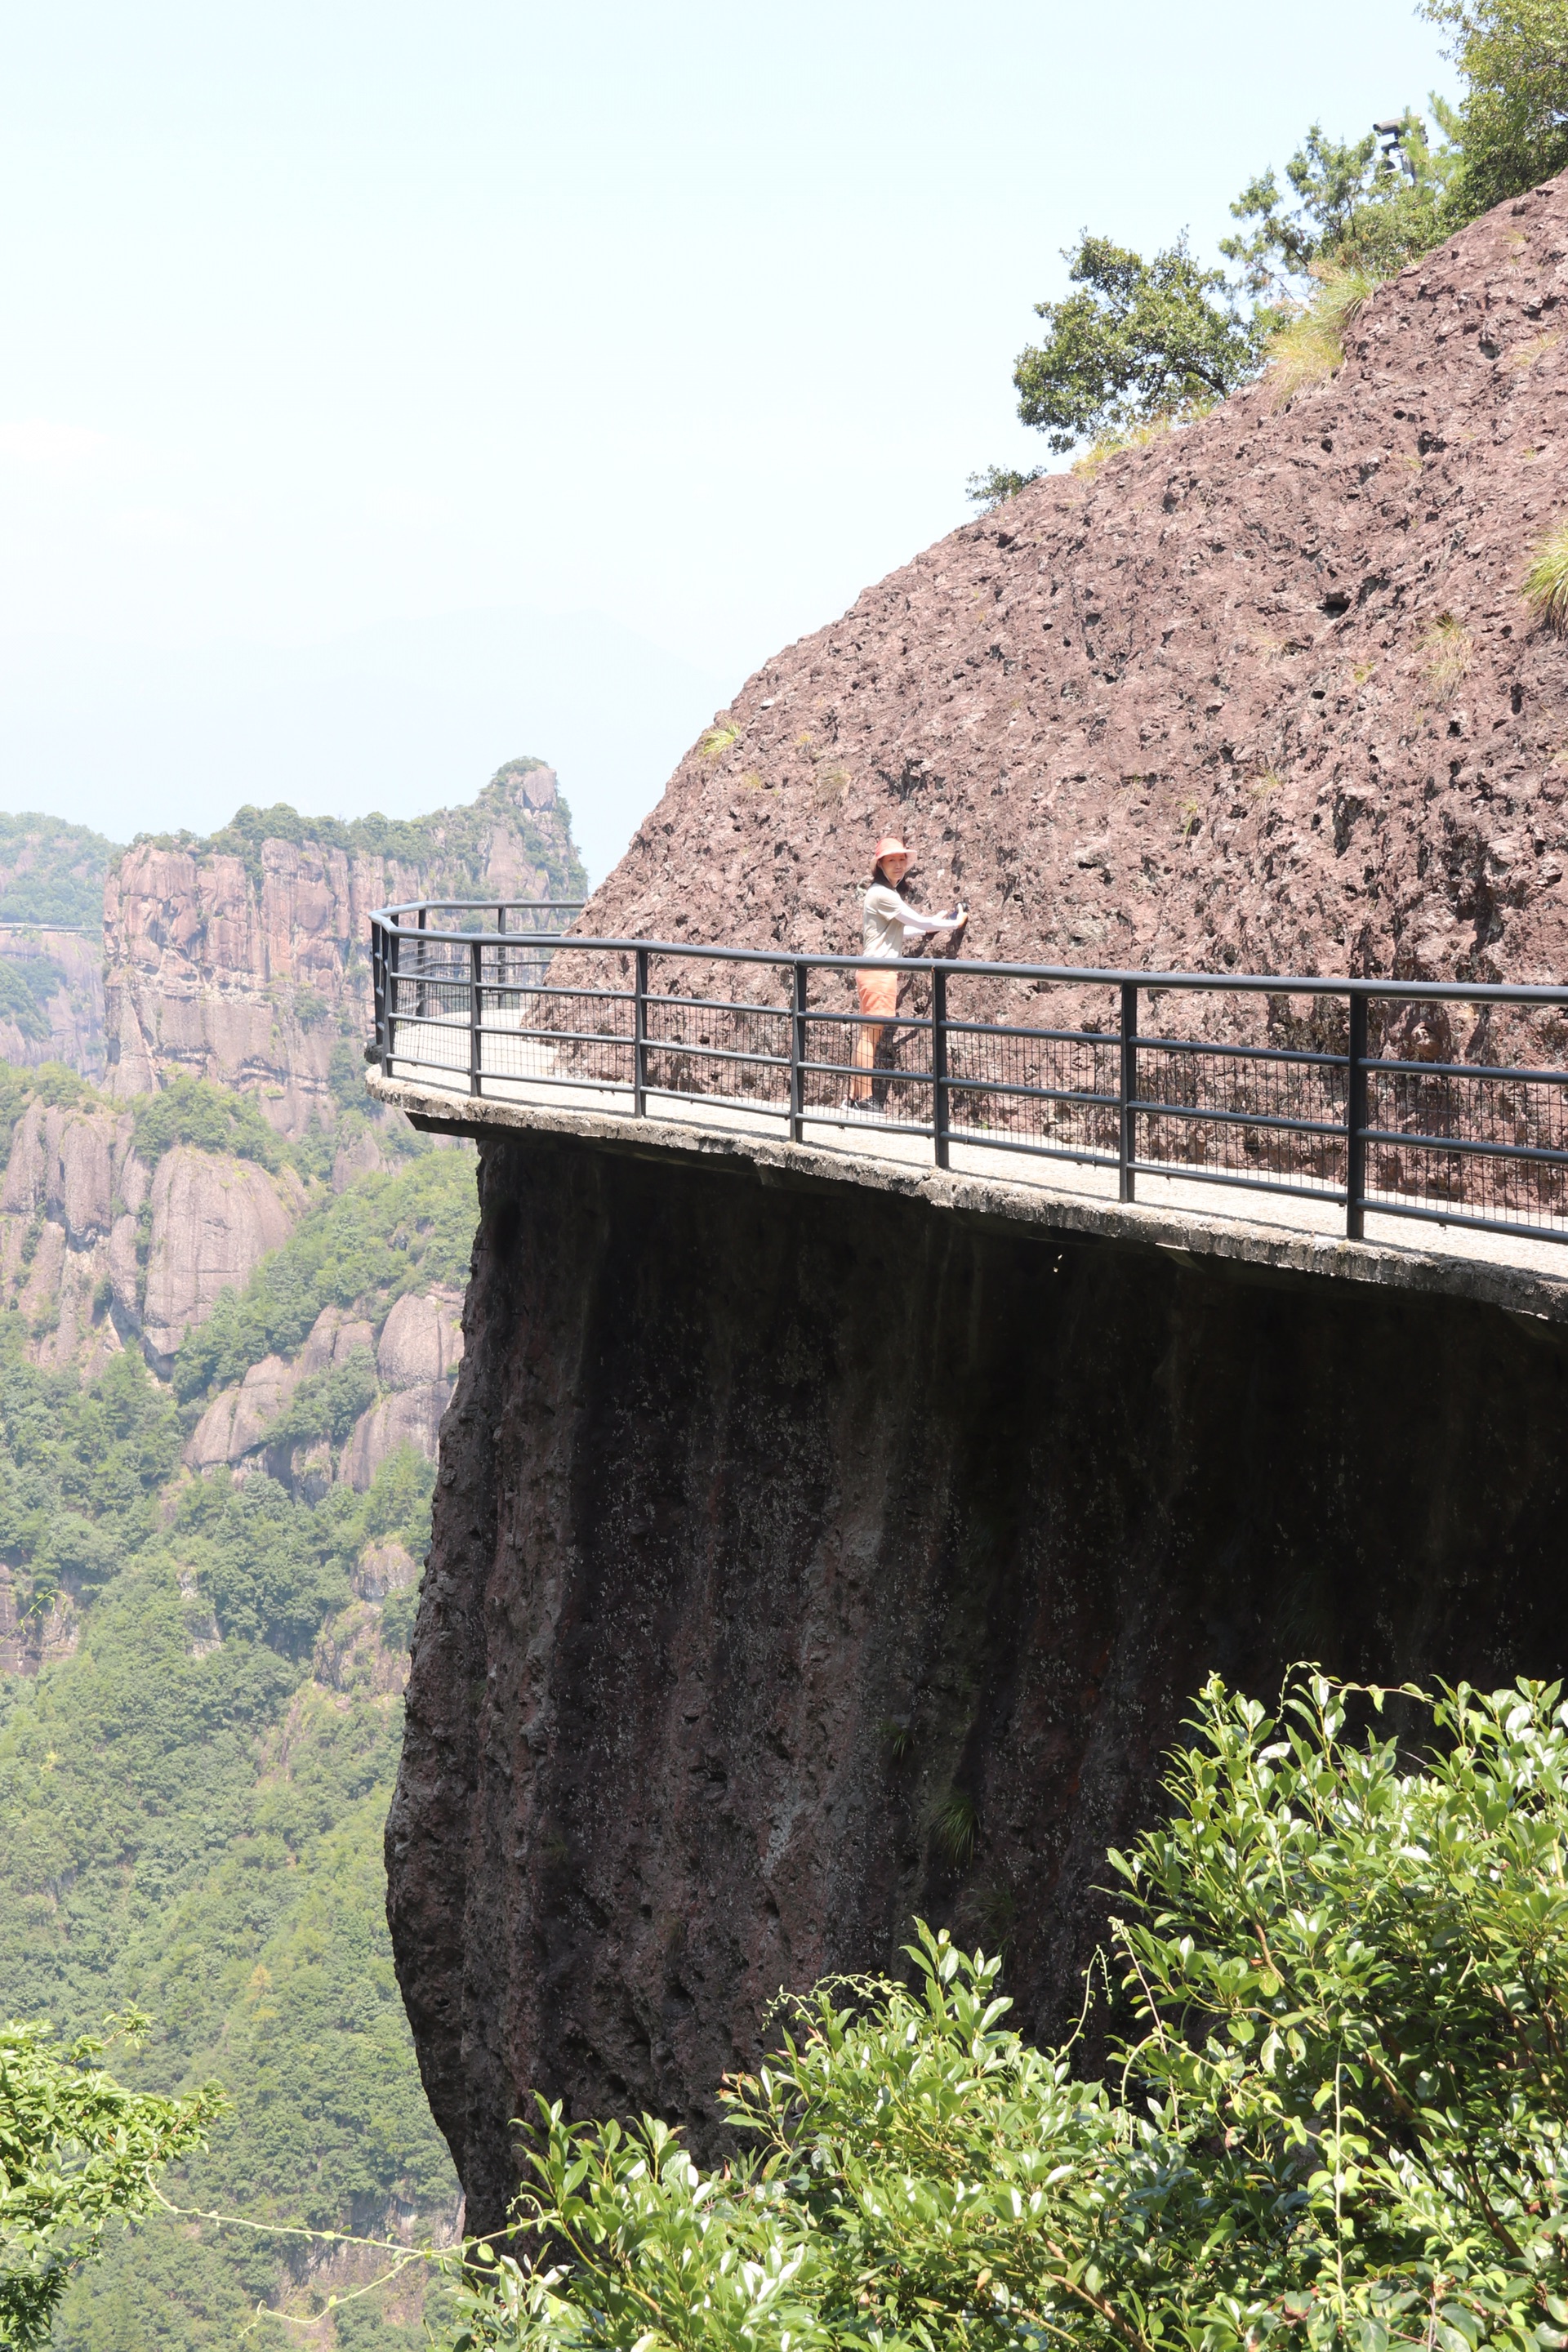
point(1250, 1088)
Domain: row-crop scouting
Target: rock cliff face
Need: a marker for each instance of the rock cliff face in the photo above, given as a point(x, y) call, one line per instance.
point(779, 1531)
point(214, 1218)
point(1263, 693)
point(416, 1359)
point(55, 1014)
point(771, 1522)
point(97, 1250)
point(69, 1203)
point(243, 959)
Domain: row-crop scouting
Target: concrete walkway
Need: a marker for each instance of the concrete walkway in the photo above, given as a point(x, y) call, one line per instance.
point(1181, 1212)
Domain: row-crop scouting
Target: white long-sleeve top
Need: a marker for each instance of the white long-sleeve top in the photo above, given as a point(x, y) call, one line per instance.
point(889, 926)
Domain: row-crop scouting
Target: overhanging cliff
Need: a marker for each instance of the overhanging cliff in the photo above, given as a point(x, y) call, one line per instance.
point(805, 1558)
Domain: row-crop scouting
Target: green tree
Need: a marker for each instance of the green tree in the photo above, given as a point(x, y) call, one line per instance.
point(1356, 208)
point(1513, 124)
point(77, 2152)
point(1337, 2114)
point(1138, 338)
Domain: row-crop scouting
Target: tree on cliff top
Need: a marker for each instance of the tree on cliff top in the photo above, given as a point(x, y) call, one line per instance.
point(1358, 206)
point(1153, 343)
point(1513, 124)
point(1339, 2117)
point(1137, 339)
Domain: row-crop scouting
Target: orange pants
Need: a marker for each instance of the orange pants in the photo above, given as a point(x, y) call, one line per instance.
point(876, 986)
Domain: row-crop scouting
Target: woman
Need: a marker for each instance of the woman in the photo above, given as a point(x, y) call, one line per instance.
point(887, 929)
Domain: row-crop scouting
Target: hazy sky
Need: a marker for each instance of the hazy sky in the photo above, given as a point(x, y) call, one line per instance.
point(392, 389)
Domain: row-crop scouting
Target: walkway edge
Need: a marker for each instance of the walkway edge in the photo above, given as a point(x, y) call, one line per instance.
point(1518, 1289)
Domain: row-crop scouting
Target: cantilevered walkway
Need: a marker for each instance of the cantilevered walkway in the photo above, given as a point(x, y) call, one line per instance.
point(1405, 1134)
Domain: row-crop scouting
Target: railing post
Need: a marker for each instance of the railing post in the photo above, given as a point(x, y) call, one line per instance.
point(639, 1039)
point(938, 1102)
point(475, 976)
point(797, 1055)
point(1127, 1142)
point(421, 1005)
point(1355, 1121)
point(392, 962)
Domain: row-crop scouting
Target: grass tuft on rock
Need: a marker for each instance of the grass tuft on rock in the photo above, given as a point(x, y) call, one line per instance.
point(1310, 346)
point(1545, 583)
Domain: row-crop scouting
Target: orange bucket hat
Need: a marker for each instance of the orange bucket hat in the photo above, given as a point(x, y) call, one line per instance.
point(888, 847)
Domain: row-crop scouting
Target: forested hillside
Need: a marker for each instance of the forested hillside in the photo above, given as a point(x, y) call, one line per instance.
point(195, 1774)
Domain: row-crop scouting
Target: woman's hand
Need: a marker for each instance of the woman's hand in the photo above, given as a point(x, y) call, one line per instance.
point(960, 917)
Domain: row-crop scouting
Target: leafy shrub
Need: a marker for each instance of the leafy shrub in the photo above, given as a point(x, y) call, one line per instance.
point(997, 484)
point(1338, 2117)
point(1546, 582)
point(327, 1405)
point(398, 1502)
point(76, 2152)
point(1137, 339)
point(1512, 124)
point(213, 1118)
point(398, 1611)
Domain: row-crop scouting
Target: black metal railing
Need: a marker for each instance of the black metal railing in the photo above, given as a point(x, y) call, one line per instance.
point(1357, 1093)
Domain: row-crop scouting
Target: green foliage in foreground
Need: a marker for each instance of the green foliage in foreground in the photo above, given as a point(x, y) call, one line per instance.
point(1336, 2117)
point(76, 2151)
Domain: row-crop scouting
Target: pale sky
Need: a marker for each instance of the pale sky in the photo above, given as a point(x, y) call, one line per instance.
point(391, 390)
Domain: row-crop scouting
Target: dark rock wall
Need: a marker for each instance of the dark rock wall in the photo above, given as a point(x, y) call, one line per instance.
point(786, 1536)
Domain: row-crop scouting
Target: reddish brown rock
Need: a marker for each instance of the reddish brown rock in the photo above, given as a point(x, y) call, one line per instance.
point(1264, 694)
point(774, 1523)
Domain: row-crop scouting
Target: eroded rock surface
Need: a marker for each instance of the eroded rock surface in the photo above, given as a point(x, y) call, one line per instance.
point(777, 1530)
point(410, 1416)
point(68, 1025)
point(1261, 695)
point(214, 1218)
point(770, 1521)
point(422, 1339)
point(249, 966)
